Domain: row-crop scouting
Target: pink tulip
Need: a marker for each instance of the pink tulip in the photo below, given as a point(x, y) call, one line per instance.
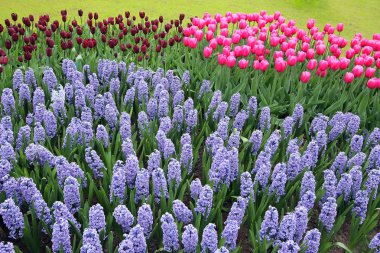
point(343, 63)
point(378, 63)
point(224, 32)
point(227, 42)
point(209, 35)
point(349, 77)
point(222, 59)
point(320, 49)
point(213, 44)
point(236, 38)
point(278, 54)
point(193, 43)
point(242, 24)
point(199, 35)
point(246, 50)
point(367, 50)
point(264, 64)
point(321, 73)
point(323, 65)
point(280, 65)
point(373, 83)
point(370, 72)
point(243, 64)
point(310, 53)
point(256, 65)
point(368, 62)
point(305, 46)
point(231, 60)
point(238, 51)
point(312, 64)
point(292, 60)
point(340, 27)
point(226, 51)
point(357, 70)
point(376, 55)
point(310, 23)
point(305, 76)
point(207, 51)
point(274, 41)
point(301, 56)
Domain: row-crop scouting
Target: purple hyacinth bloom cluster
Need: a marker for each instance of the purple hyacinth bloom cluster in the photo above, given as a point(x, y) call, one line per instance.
point(145, 218)
point(91, 241)
point(123, 217)
point(328, 213)
point(190, 239)
point(182, 212)
point(97, 219)
point(12, 218)
point(71, 194)
point(269, 226)
point(204, 202)
point(61, 236)
point(7, 247)
point(169, 233)
point(209, 238)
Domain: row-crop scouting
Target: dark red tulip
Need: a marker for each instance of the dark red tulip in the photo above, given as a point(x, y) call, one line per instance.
point(80, 12)
point(90, 15)
point(1, 69)
point(85, 43)
point(137, 40)
point(21, 31)
point(142, 14)
point(96, 16)
point(136, 49)
point(127, 14)
point(74, 23)
point(3, 60)
point(181, 16)
point(139, 58)
point(79, 40)
point(48, 33)
point(154, 28)
point(158, 48)
point(70, 44)
point(134, 18)
point(171, 42)
point(176, 23)
point(123, 47)
point(64, 18)
point(20, 59)
point(7, 22)
point(49, 51)
point(15, 37)
point(125, 31)
point(27, 56)
point(14, 17)
point(143, 49)
point(104, 38)
point(63, 12)
point(1, 28)
point(31, 18)
point(129, 45)
point(129, 22)
point(161, 19)
point(89, 22)
point(79, 30)
point(26, 40)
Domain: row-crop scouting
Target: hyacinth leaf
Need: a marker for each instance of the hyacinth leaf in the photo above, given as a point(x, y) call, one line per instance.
point(343, 246)
point(109, 244)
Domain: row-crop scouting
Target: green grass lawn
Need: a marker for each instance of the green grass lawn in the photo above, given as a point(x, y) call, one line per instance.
point(357, 15)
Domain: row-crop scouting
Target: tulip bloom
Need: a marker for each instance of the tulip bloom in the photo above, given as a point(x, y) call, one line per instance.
point(349, 77)
point(340, 27)
point(231, 60)
point(357, 70)
point(370, 72)
point(280, 65)
point(207, 51)
point(305, 76)
point(373, 83)
point(243, 63)
point(222, 59)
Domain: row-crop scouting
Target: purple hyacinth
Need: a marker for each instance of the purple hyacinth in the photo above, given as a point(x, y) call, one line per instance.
point(127, 148)
point(312, 240)
point(182, 212)
point(262, 169)
point(252, 106)
point(209, 241)
point(123, 217)
point(357, 177)
point(131, 169)
point(30, 78)
point(163, 108)
point(178, 98)
point(129, 97)
point(152, 108)
point(23, 137)
point(301, 221)
point(185, 139)
point(237, 211)
point(278, 184)
point(375, 243)
point(86, 115)
point(145, 218)
point(287, 126)
point(374, 158)
point(102, 135)
point(289, 246)
point(160, 186)
point(99, 107)
point(178, 117)
point(256, 139)
point(190, 239)
point(195, 188)
point(230, 234)
point(191, 120)
point(111, 115)
point(298, 115)
point(142, 92)
point(357, 160)
point(220, 111)
point(373, 138)
point(12, 218)
point(188, 106)
point(234, 140)
point(360, 205)
point(329, 185)
point(353, 125)
point(205, 88)
point(165, 124)
point(169, 233)
point(62, 212)
point(154, 161)
point(50, 123)
point(234, 104)
point(97, 219)
point(240, 120)
point(269, 226)
point(310, 156)
point(169, 148)
point(287, 228)
point(204, 202)
point(319, 123)
point(8, 101)
point(7, 247)
point(61, 236)
point(344, 186)
point(18, 79)
point(308, 183)
point(264, 123)
point(356, 144)
point(186, 77)
point(328, 213)
point(91, 238)
point(24, 93)
point(126, 246)
point(174, 173)
point(223, 128)
point(143, 122)
point(94, 162)
point(372, 183)
point(125, 128)
point(119, 180)
point(71, 194)
point(246, 185)
point(273, 142)
point(222, 250)
point(142, 185)
point(339, 162)
point(321, 139)
point(187, 157)
point(39, 133)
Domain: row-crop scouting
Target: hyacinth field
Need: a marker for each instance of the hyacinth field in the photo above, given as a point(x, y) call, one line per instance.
point(236, 132)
